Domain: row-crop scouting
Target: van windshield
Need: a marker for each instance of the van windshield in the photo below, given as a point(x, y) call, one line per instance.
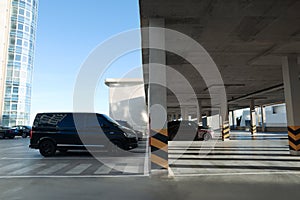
point(111, 120)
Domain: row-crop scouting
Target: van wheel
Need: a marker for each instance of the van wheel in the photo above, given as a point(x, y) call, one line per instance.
point(47, 148)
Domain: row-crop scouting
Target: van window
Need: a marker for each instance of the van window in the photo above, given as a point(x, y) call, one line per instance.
point(50, 120)
point(91, 120)
point(109, 120)
point(67, 121)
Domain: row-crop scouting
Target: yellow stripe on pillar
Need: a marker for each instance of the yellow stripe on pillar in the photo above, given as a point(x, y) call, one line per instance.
point(159, 149)
point(294, 138)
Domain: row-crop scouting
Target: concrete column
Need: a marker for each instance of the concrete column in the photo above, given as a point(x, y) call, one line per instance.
point(232, 119)
point(199, 112)
point(225, 127)
point(253, 118)
point(158, 97)
point(185, 113)
point(291, 78)
point(263, 127)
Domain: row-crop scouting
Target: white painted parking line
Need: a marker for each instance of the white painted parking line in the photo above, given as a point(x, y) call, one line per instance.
point(27, 169)
point(52, 169)
point(54, 158)
point(78, 169)
point(131, 169)
point(70, 176)
point(104, 169)
point(10, 167)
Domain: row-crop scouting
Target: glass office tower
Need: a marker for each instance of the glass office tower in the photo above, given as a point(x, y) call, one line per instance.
point(18, 21)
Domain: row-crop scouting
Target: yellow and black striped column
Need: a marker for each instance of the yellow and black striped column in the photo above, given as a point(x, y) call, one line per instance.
point(225, 130)
point(159, 149)
point(294, 139)
point(253, 129)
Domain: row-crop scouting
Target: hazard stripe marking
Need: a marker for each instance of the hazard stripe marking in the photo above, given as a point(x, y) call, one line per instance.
point(159, 161)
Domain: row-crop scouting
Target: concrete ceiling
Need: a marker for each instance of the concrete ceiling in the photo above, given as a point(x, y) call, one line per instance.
point(245, 38)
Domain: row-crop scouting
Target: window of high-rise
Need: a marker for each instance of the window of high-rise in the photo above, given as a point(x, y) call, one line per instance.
point(18, 22)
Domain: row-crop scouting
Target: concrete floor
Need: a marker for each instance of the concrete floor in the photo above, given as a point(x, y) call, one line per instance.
point(263, 153)
point(242, 168)
point(147, 188)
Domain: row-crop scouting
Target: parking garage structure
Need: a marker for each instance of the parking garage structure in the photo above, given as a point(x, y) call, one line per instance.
point(254, 44)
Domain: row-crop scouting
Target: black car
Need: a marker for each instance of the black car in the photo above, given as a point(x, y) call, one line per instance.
point(22, 130)
point(188, 131)
point(64, 131)
point(127, 125)
point(7, 132)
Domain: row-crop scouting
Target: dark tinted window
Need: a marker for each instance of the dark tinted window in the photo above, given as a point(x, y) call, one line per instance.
point(49, 119)
point(67, 121)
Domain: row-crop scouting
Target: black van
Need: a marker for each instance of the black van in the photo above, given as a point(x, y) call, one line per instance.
point(64, 131)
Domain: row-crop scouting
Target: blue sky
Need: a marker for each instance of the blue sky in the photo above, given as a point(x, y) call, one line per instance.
point(68, 30)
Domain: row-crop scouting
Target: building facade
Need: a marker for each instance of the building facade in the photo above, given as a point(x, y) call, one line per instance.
point(18, 22)
point(127, 102)
point(273, 116)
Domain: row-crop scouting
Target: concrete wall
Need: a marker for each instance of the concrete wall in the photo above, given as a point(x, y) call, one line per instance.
point(276, 116)
point(214, 122)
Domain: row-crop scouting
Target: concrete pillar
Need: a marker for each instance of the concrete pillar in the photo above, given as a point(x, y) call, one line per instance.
point(185, 113)
point(291, 78)
point(204, 121)
point(158, 97)
point(253, 118)
point(177, 116)
point(263, 114)
point(225, 127)
point(199, 112)
point(233, 119)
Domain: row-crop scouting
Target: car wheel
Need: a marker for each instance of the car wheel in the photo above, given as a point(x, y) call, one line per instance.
point(206, 137)
point(24, 135)
point(47, 148)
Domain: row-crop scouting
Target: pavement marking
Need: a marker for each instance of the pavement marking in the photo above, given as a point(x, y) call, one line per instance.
point(54, 158)
point(104, 169)
point(78, 169)
point(53, 169)
point(237, 173)
point(27, 169)
point(72, 176)
point(10, 167)
point(171, 173)
point(131, 169)
point(146, 160)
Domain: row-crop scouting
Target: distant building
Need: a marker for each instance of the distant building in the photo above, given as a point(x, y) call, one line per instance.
point(274, 116)
point(18, 22)
point(127, 102)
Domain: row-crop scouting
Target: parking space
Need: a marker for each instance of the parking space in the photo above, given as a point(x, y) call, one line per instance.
point(264, 153)
point(17, 160)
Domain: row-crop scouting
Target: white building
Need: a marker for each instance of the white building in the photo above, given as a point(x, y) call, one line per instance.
point(274, 116)
point(127, 102)
point(18, 21)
